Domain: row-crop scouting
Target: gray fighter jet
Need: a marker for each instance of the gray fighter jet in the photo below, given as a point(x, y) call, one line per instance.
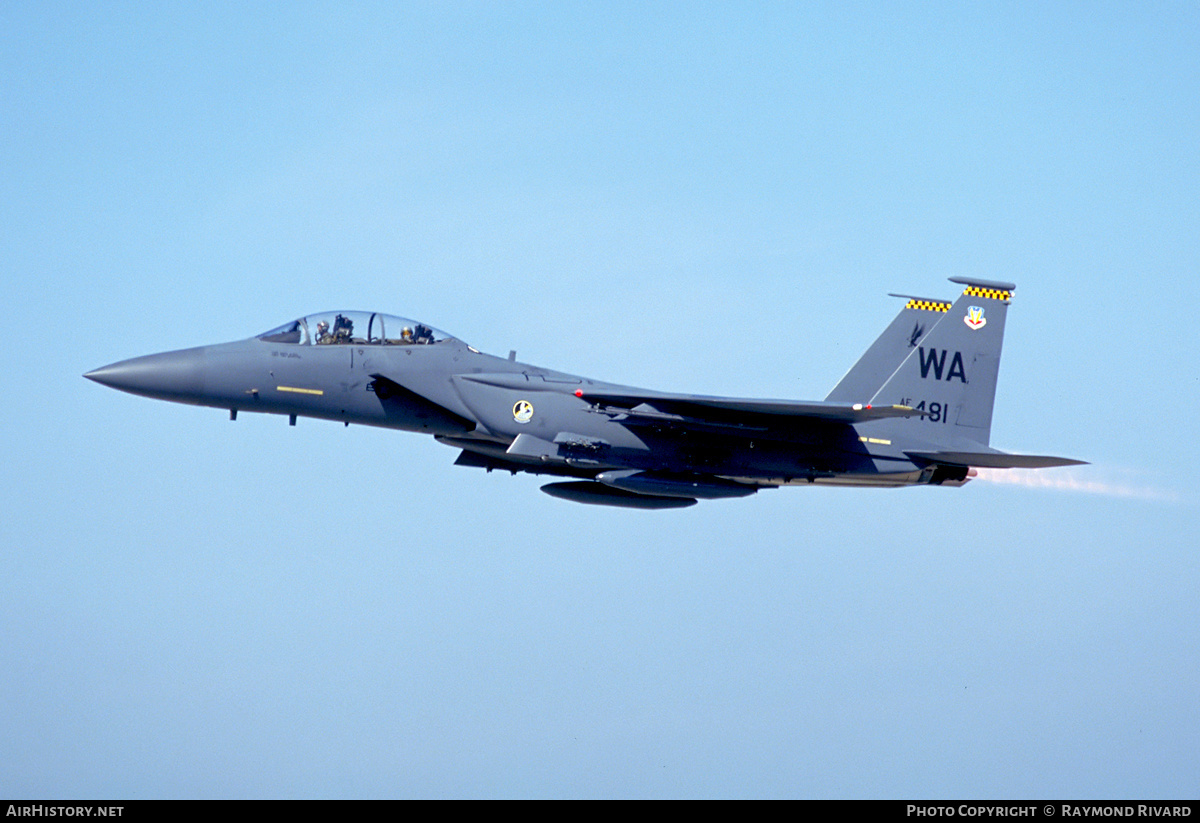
point(915, 409)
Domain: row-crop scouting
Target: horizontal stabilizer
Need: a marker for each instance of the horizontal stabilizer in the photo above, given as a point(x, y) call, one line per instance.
point(993, 460)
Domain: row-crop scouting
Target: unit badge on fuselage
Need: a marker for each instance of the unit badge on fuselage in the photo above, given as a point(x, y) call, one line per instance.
point(522, 411)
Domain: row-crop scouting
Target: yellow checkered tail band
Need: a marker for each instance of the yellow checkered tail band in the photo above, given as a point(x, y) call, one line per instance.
point(927, 305)
point(993, 294)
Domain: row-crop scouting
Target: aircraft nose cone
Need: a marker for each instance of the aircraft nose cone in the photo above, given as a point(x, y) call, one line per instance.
point(175, 375)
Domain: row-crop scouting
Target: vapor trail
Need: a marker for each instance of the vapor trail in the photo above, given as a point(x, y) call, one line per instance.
point(1071, 481)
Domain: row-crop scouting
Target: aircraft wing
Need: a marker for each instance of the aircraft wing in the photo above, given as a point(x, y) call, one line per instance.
point(723, 409)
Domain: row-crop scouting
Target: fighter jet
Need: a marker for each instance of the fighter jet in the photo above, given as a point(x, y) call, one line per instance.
point(916, 409)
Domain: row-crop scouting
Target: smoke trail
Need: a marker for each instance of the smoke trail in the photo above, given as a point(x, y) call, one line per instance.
point(1072, 480)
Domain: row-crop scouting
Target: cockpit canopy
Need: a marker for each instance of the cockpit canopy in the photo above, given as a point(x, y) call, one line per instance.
point(359, 328)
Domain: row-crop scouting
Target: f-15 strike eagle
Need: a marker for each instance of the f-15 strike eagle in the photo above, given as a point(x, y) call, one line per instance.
point(916, 409)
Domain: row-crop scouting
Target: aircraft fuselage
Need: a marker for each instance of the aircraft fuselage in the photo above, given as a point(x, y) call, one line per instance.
point(926, 389)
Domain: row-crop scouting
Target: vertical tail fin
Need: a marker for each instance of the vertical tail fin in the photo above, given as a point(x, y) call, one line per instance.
point(880, 361)
point(951, 373)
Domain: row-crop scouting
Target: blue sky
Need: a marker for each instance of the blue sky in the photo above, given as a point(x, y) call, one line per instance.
point(696, 197)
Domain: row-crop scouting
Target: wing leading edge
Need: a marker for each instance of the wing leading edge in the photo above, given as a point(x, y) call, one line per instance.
point(701, 407)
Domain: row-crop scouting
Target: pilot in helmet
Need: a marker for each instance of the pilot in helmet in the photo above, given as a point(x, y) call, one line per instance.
point(406, 334)
point(323, 332)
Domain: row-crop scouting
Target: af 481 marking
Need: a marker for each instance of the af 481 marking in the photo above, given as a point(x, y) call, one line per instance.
point(938, 412)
